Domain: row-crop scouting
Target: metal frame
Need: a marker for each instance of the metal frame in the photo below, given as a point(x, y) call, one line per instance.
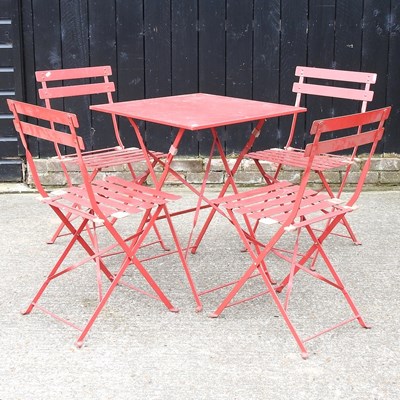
point(96, 202)
point(52, 88)
point(335, 89)
point(298, 209)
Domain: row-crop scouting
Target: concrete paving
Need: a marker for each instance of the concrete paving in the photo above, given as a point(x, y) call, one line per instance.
point(139, 350)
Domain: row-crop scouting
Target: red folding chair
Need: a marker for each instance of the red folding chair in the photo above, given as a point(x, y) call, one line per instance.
point(300, 210)
point(96, 202)
point(319, 82)
point(89, 81)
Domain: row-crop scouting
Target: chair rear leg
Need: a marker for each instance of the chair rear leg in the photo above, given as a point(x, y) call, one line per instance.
point(54, 270)
point(344, 220)
point(184, 262)
point(127, 261)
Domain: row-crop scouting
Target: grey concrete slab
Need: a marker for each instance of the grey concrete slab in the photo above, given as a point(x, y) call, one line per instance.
point(139, 350)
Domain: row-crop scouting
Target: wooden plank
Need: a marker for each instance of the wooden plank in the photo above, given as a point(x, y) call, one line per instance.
point(293, 53)
point(75, 54)
point(130, 60)
point(6, 33)
point(184, 62)
point(391, 138)
point(6, 8)
point(157, 65)
point(7, 81)
point(321, 33)
point(320, 54)
point(7, 56)
point(184, 46)
point(7, 129)
point(239, 32)
point(47, 47)
point(8, 146)
point(375, 44)
point(212, 47)
point(211, 58)
point(348, 35)
point(30, 94)
point(3, 103)
point(102, 48)
point(75, 45)
point(11, 170)
point(11, 79)
point(266, 64)
point(347, 47)
point(157, 48)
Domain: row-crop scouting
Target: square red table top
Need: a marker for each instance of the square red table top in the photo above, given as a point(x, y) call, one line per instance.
point(198, 110)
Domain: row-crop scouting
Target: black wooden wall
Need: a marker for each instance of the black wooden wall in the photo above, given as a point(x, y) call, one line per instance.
point(11, 85)
point(244, 48)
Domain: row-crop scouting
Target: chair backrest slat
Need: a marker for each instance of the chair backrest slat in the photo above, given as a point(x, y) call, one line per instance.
point(338, 84)
point(361, 123)
point(49, 134)
point(333, 91)
point(52, 117)
point(30, 110)
point(76, 90)
point(336, 75)
point(56, 120)
point(356, 121)
point(348, 142)
point(72, 73)
point(80, 82)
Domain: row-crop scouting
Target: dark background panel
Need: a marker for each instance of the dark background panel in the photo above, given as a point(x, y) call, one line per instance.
point(7, 56)
point(375, 46)
point(391, 139)
point(47, 47)
point(10, 171)
point(157, 18)
point(348, 35)
point(6, 33)
point(6, 8)
point(130, 60)
point(266, 62)
point(102, 51)
point(321, 41)
point(7, 77)
point(211, 58)
point(244, 48)
point(239, 65)
point(74, 15)
point(184, 59)
point(7, 129)
point(294, 34)
point(26, 59)
point(8, 145)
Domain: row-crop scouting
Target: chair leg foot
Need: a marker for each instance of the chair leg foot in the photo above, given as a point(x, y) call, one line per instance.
point(27, 311)
point(174, 310)
point(79, 344)
point(213, 315)
point(304, 355)
point(199, 308)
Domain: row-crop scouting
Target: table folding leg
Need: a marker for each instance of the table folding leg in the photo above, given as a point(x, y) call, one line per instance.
point(230, 178)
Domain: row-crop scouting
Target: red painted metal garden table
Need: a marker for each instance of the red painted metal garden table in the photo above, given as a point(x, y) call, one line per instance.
point(193, 112)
